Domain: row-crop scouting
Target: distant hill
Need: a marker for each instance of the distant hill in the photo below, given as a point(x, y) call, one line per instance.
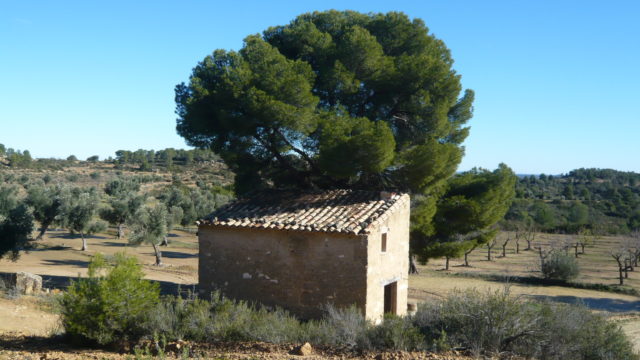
point(604, 200)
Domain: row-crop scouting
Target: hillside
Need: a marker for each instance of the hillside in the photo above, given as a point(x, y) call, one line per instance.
point(603, 200)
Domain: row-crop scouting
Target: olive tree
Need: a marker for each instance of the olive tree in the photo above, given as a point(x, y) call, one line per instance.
point(149, 226)
point(79, 214)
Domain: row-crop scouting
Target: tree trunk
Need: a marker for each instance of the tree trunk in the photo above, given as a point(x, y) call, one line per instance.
point(504, 250)
point(576, 252)
point(626, 270)
point(84, 242)
point(582, 246)
point(621, 277)
point(517, 247)
point(43, 229)
point(120, 231)
point(158, 254)
point(528, 245)
point(413, 268)
point(488, 253)
point(466, 259)
point(165, 241)
point(541, 258)
point(446, 264)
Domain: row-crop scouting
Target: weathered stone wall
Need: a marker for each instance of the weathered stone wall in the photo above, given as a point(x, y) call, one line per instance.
point(297, 270)
point(390, 266)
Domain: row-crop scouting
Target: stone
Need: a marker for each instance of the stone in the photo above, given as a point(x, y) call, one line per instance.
point(303, 350)
point(25, 283)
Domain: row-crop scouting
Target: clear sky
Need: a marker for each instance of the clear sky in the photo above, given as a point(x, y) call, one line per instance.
point(557, 82)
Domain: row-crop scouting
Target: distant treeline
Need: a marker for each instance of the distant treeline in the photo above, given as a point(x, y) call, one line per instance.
point(146, 159)
point(603, 200)
point(16, 158)
point(166, 157)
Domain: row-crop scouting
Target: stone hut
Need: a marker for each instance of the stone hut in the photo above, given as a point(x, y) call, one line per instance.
point(301, 251)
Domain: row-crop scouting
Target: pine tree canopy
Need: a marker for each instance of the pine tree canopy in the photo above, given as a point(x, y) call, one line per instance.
point(331, 100)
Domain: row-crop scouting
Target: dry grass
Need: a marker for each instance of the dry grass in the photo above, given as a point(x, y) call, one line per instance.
point(58, 254)
point(596, 265)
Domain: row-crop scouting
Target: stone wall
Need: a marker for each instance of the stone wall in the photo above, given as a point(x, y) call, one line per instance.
point(391, 265)
point(297, 270)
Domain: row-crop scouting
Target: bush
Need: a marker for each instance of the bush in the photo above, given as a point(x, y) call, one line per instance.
point(395, 333)
point(221, 319)
point(339, 326)
point(560, 266)
point(178, 319)
point(496, 322)
point(482, 322)
point(111, 304)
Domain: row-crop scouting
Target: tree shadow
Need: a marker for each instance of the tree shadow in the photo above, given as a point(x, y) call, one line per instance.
point(602, 304)
point(62, 282)
point(75, 236)
point(177, 255)
point(51, 248)
point(76, 263)
point(113, 243)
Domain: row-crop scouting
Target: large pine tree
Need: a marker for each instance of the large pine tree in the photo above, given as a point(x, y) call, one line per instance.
point(334, 100)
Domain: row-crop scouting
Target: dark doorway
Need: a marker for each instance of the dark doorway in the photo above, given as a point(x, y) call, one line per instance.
point(390, 298)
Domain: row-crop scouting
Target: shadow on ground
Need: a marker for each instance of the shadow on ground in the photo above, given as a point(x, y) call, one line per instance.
point(75, 236)
point(62, 282)
point(602, 304)
point(113, 243)
point(177, 255)
point(76, 263)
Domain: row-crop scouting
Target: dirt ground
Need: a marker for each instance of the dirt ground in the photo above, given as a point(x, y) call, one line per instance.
point(596, 264)
point(13, 347)
point(58, 259)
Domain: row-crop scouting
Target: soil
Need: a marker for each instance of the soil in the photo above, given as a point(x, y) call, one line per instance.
point(39, 348)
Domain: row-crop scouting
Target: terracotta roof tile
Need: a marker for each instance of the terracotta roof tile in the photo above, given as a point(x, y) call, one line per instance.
point(345, 211)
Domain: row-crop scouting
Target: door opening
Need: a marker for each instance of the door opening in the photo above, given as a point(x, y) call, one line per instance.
point(390, 298)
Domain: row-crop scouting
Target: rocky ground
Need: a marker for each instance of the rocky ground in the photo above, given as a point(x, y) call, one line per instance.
point(16, 346)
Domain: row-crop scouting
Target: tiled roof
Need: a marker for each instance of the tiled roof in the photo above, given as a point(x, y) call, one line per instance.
point(344, 211)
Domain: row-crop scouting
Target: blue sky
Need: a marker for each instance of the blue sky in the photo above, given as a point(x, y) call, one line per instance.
point(557, 82)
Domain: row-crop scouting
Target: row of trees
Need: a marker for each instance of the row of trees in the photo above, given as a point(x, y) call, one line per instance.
point(16, 158)
point(86, 211)
point(145, 158)
point(167, 157)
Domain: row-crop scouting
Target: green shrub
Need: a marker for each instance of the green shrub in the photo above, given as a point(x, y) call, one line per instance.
point(560, 266)
point(111, 304)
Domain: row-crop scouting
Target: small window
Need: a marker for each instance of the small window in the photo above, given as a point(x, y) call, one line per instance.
point(383, 243)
